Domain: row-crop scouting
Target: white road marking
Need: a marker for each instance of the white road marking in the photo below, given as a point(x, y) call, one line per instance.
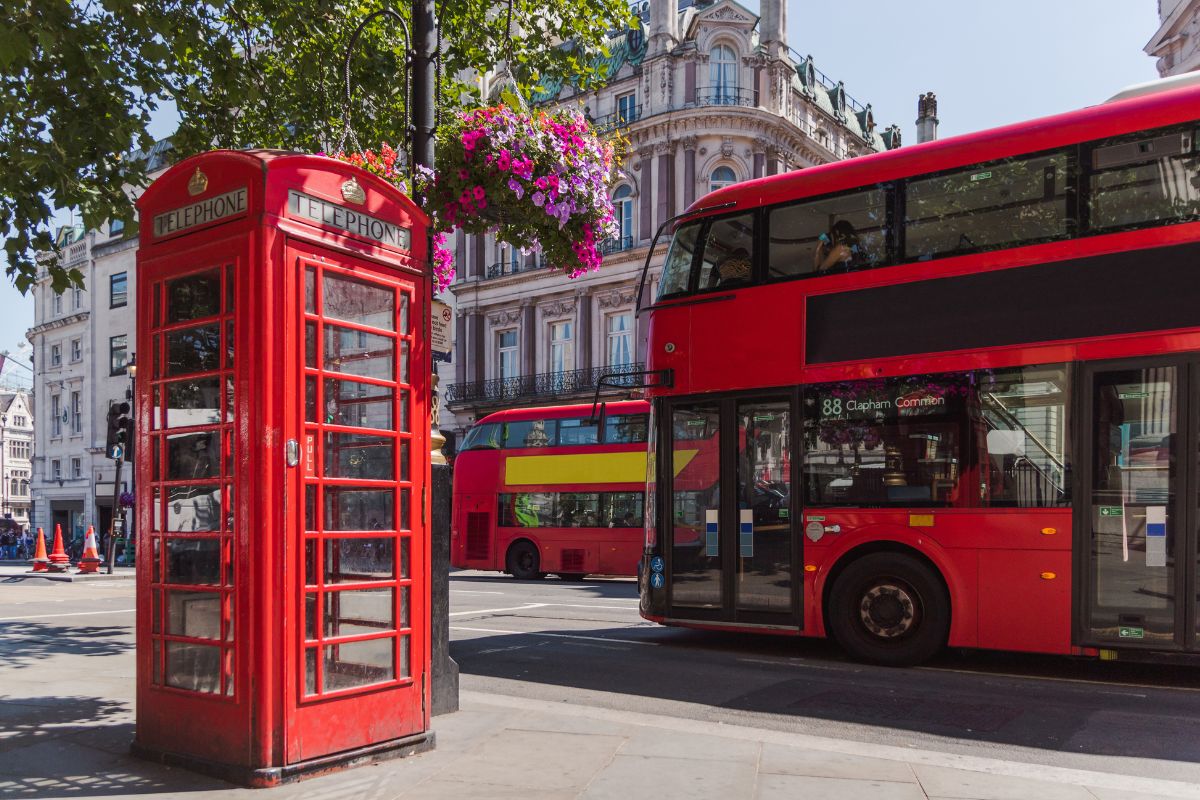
point(74, 614)
point(525, 607)
point(605, 639)
point(471, 591)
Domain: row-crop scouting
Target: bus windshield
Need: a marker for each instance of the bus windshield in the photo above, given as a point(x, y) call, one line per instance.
point(482, 437)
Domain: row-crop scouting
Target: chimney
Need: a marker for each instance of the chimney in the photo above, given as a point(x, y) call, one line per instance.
point(772, 27)
point(664, 18)
point(927, 120)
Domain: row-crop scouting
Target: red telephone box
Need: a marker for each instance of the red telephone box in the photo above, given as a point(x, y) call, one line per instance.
point(282, 467)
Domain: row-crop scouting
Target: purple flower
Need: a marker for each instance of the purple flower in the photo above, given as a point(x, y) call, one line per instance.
point(538, 199)
point(516, 187)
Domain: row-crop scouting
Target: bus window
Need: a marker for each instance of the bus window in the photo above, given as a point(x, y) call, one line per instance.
point(526, 510)
point(1147, 180)
point(728, 253)
point(889, 442)
point(623, 509)
point(677, 270)
point(1023, 439)
point(482, 437)
point(626, 428)
point(795, 233)
point(578, 431)
point(579, 510)
point(530, 433)
point(1003, 203)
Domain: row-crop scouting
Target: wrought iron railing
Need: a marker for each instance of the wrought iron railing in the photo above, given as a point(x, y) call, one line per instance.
point(616, 245)
point(618, 119)
point(502, 268)
point(544, 384)
point(724, 96)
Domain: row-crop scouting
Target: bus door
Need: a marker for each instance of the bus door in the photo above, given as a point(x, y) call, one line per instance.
point(1136, 515)
point(732, 541)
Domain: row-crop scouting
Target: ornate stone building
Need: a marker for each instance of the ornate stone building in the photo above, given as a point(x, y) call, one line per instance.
point(707, 94)
point(1176, 43)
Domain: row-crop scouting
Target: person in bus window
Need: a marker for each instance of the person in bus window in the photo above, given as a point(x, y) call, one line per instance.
point(734, 268)
point(838, 250)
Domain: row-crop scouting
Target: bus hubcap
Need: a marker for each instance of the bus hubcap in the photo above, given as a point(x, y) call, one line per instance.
point(888, 610)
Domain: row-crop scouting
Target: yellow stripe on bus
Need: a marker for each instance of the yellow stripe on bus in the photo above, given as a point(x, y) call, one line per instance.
point(583, 468)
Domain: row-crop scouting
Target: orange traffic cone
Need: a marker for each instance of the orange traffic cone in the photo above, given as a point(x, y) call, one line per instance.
point(59, 560)
point(39, 553)
point(90, 561)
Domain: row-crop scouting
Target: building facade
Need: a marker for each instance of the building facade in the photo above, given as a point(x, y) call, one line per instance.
point(1176, 43)
point(82, 345)
point(16, 453)
point(707, 94)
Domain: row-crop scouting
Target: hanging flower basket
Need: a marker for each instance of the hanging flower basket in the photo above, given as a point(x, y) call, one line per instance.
point(538, 181)
point(125, 500)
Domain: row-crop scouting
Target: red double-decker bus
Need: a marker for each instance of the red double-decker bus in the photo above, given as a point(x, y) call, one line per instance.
point(540, 490)
point(955, 396)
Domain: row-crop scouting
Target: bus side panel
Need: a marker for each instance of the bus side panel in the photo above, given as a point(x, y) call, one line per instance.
point(1025, 600)
point(473, 534)
point(620, 551)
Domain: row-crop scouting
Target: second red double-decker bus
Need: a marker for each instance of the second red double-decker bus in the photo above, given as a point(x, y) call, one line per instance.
point(554, 489)
point(954, 391)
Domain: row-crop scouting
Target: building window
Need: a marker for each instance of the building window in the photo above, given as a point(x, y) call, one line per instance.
point(55, 419)
point(620, 339)
point(721, 177)
point(20, 421)
point(57, 303)
point(117, 355)
point(627, 108)
point(562, 347)
point(56, 469)
point(76, 350)
point(56, 355)
point(77, 295)
point(24, 488)
point(118, 290)
point(76, 468)
point(623, 205)
point(507, 360)
point(723, 66)
point(116, 227)
point(76, 414)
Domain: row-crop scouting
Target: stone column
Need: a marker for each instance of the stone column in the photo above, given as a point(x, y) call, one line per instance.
point(689, 82)
point(462, 342)
point(528, 335)
point(665, 200)
point(583, 321)
point(646, 201)
point(478, 255)
point(477, 358)
point(688, 143)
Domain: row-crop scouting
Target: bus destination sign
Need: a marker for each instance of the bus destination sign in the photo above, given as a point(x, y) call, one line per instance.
point(353, 222)
point(878, 405)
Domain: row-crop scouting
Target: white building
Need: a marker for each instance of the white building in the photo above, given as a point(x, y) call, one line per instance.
point(709, 95)
point(82, 342)
point(16, 452)
point(1176, 43)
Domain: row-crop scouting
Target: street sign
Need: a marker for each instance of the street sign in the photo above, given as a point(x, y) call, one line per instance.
point(441, 321)
point(118, 525)
point(115, 452)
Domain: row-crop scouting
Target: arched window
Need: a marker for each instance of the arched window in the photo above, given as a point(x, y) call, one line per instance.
point(720, 178)
point(15, 486)
point(723, 74)
point(623, 206)
point(24, 488)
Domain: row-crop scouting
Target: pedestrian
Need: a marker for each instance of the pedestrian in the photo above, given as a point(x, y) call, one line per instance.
point(8, 544)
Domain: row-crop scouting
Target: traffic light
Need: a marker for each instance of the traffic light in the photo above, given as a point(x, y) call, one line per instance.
point(119, 442)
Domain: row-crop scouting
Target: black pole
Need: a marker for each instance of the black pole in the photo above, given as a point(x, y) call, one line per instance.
point(444, 686)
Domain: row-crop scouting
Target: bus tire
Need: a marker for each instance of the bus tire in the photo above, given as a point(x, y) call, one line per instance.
point(523, 561)
point(889, 609)
point(572, 576)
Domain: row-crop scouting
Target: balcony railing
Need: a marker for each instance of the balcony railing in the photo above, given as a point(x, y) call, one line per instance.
point(616, 245)
point(544, 384)
point(724, 96)
point(617, 119)
point(503, 268)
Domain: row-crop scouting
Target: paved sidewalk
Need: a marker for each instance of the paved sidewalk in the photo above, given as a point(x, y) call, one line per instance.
point(19, 570)
point(506, 747)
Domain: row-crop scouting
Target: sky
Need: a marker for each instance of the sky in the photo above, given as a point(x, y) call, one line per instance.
point(989, 63)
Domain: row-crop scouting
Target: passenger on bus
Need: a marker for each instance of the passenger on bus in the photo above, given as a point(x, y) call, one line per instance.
point(734, 268)
point(838, 250)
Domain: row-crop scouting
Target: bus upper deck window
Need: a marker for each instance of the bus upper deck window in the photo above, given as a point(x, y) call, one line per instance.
point(677, 270)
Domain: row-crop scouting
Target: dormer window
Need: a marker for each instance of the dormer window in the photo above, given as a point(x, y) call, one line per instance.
point(723, 73)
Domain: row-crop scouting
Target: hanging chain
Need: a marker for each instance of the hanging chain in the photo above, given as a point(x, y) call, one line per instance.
point(348, 129)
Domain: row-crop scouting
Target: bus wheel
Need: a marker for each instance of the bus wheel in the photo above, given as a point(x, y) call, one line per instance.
point(572, 576)
point(889, 609)
point(523, 562)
